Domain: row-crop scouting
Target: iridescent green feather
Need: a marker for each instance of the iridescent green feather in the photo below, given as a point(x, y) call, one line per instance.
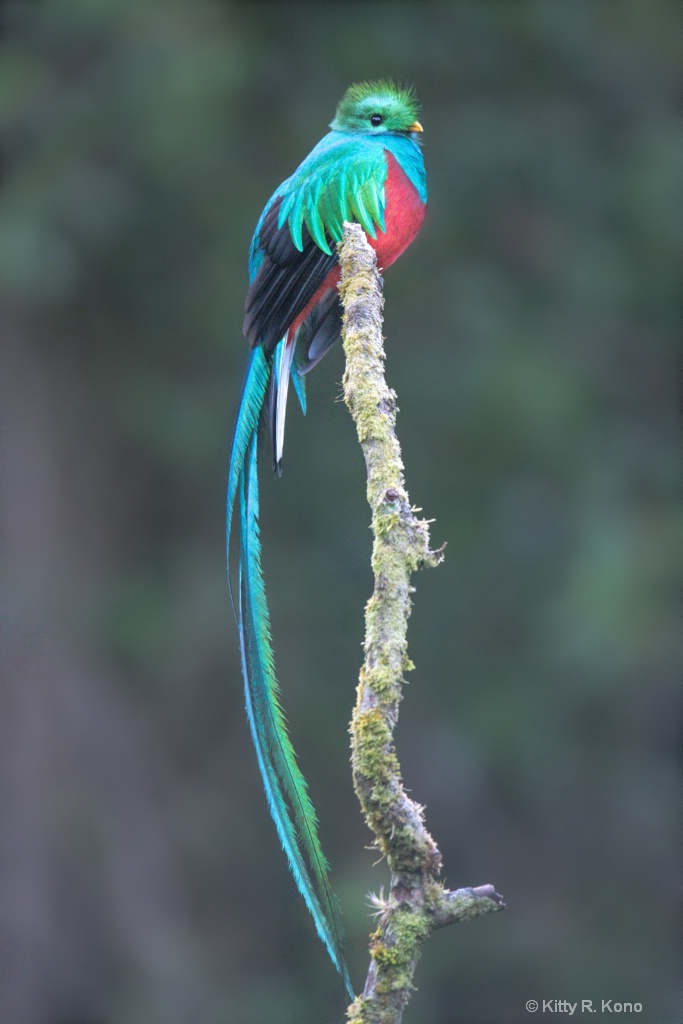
point(392, 93)
point(285, 786)
point(343, 178)
point(347, 184)
point(253, 393)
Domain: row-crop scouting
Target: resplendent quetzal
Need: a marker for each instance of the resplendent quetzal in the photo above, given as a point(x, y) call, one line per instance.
point(368, 169)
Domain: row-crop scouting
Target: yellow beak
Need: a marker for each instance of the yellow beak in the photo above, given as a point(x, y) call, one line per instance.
point(416, 127)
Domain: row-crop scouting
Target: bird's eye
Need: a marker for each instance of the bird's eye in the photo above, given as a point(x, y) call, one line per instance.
point(376, 119)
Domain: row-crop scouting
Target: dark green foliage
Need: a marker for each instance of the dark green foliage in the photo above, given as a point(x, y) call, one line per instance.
point(532, 336)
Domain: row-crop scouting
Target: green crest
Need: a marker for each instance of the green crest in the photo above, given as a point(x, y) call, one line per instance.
point(377, 108)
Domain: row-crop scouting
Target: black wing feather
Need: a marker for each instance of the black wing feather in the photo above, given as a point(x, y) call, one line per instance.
point(285, 283)
point(319, 331)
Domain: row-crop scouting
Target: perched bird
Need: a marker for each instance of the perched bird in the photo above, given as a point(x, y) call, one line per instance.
point(368, 169)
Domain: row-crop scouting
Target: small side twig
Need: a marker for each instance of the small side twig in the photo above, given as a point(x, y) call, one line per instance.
point(418, 903)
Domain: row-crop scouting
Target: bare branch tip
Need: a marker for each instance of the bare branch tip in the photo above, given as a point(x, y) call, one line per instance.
point(489, 893)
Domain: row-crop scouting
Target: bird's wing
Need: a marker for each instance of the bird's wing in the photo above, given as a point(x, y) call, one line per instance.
point(294, 246)
point(317, 334)
point(337, 182)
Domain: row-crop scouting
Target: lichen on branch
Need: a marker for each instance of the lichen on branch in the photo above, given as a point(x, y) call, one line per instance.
point(417, 902)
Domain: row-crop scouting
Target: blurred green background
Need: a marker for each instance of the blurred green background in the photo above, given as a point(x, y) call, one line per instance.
point(532, 334)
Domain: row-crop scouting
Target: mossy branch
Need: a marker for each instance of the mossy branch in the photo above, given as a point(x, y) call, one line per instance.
point(417, 902)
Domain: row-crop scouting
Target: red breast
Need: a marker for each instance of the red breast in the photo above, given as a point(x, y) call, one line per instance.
point(404, 212)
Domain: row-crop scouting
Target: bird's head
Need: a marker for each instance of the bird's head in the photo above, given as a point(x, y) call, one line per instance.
point(378, 108)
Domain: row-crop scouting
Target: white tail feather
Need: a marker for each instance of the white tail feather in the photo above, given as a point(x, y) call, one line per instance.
point(285, 355)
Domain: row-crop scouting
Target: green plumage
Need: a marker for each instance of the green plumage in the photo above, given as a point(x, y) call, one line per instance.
point(343, 187)
point(286, 787)
point(292, 317)
point(397, 103)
